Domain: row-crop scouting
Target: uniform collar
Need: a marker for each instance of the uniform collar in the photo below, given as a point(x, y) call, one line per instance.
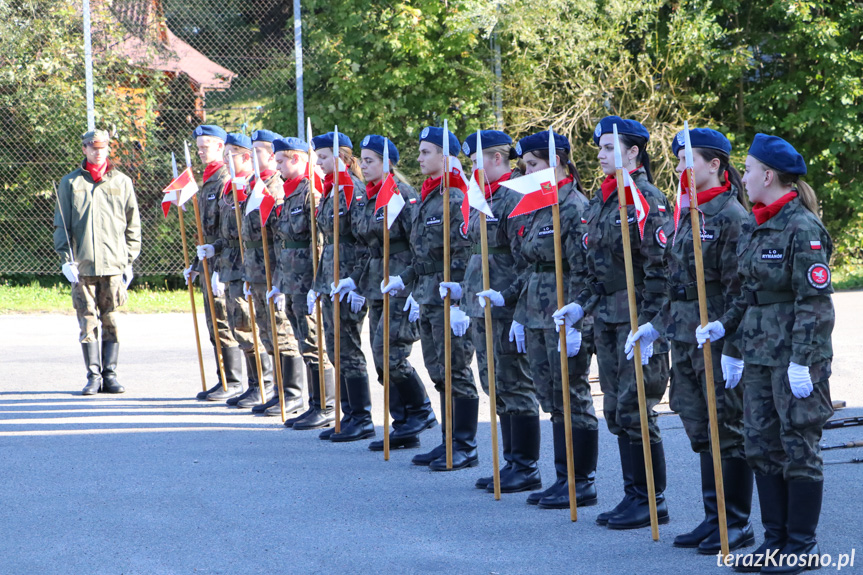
point(718, 203)
point(780, 220)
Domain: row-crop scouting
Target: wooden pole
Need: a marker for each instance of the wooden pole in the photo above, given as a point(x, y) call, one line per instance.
point(276, 353)
point(386, 337)
point(447, 302)
point(708, 355)
point(318, 319)
point(192, 296)
point(337, 197)
point(633, 323)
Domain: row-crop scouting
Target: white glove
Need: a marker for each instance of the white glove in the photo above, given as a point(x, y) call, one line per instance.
point(345, 286)
point(356, 300)
point(70, 270)
point(646, 334)
point(205, 251)
point(458, 321)
point(247, 289)
point(189, 274)
point(568, 314)
point(393, 286)
point(732, 371)
point(493, 296)
point(800, 380)
point(217, 286)
point(573, 342)
point(516, 334)
point(277, 297)
point(453, 288)
point(127, 276)
point(311, 298)
point(714, 331)
point(414, 307)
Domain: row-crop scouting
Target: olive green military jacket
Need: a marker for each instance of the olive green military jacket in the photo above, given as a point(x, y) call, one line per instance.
point(350, 250)
point(254, 269)
point(210, 194)
point(294, 271)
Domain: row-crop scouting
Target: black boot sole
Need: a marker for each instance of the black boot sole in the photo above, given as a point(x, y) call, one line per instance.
point(379, 445)
point(340, 438)
point(578, 502)
point(520, 489)
point(748, 541)
point(466, 465)
point(663, 520)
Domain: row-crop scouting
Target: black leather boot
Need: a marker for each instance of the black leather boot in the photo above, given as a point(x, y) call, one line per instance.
point(804, 510)
point(637, 515)
point(424, 459)
point(94, 368)
point(110, 353)
point(710, 523)
point(419, 414)
point(737, 483)
point(317, 417)
point(523, 474)
point(773, 497)
point(506, 441)
point(399, 417)
point(267, 375)
point(623, 449)
point(232, 360)
point(293, 374)
point(202, 395)
point(360, 425)
point(465, 412)
point(585, 450)
point(559, 436)
point(251, 376)
point(345, 405)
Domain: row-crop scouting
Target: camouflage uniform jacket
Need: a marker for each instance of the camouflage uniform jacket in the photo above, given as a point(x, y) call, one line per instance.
point(785, 258)
point(349, 248)
point(722, 219)
point(293, 274)
point(368, 271)
point(208, 205)
point(603, 293)
point(426, 242)
point(253, 251)
point(101, 219)
point(536, 286)
point(227, 247)
point(503, 242)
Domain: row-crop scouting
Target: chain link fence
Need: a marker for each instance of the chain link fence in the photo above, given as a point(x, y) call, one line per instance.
point(164, 66)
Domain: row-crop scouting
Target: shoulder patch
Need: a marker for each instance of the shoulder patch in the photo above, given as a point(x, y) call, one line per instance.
point(412, 201)
point(818, 276)
point(584, 241)
point(661, 208)
point(462, 229)
point(661, 238)
point(815, 244)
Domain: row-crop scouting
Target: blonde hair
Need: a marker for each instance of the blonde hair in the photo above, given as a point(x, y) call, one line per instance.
point(804, 191)
point(503, 150)
point(347, 156)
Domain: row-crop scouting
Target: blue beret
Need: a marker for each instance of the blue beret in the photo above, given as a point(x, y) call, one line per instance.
point(434, 136)
point(326, 141)
point(290, 144)
point(209, 130)
point(239, 140)
point(264, 136)
point(778, 154)
point(490, 138)
point(702, 138)
point(539, 141)
point(375, 143)
point(629, 127)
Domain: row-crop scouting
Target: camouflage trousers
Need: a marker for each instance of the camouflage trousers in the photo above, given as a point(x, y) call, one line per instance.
point(305, 330)
point(688, 398)
point(238, 317)
point(545, 368)
point(432, 341)
point(226, 336)
point(514, 389)
point(288, 346)
point(353, 361)
point(782, 432)
point(617, 380)
point(403, 334)
point(96, 299)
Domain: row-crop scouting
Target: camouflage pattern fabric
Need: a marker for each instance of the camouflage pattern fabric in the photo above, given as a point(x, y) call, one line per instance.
point(238, 317)
point(292, 272)
point(288, 346)
point(305, 330)
point(432, 340)
point(226, 336)
point(514, 386)
point(254, 270)
point(227, 246)
point(403, 334)
point(96, 299)
point(350, 250)
point(353, 361)
point(208, 199)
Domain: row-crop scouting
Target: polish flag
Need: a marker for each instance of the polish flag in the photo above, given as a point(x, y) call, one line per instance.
point(179, 191)
point(682, 200)
point(539, 189)
point(260, 199)
point(475, 198)
point(346, 184)
point(390, 197)
point(642, 208)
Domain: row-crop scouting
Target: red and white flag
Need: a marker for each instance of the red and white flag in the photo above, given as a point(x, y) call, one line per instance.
point(681, 201)
point(260, 199)
point(539, 189)
point(390, 196)
point(179, 190)
point(475, 198)
point(346, 183)
point(635, 198)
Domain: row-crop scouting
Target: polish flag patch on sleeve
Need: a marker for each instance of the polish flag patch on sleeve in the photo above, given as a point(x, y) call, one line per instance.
point(815, 244)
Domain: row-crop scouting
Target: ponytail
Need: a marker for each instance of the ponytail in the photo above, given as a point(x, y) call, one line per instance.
point(808, 198)
point(347, 156)
point(643, 158)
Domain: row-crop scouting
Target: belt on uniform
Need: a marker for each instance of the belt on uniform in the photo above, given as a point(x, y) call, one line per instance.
point(286, 245)
point(233, 243)
point(428, 268)
point(613, 286)
point(347, 240)
point(253, 244)
point(210, 239)
point(689, 292)
point(477, 249)
point(548, 266)
point(768, 297)
point(395, 248)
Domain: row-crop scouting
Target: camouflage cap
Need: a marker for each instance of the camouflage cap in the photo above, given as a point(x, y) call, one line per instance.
point(96, 138)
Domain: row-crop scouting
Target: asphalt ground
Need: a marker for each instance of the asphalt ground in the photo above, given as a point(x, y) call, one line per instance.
point(153, 482)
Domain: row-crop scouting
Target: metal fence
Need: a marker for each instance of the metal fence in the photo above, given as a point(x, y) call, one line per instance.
point(206, 74)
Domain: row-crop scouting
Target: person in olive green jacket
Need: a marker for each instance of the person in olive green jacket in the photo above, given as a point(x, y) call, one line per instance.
point(97, 232)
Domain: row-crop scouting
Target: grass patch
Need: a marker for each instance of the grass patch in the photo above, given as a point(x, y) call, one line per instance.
point(850, 278)
point(36, 298)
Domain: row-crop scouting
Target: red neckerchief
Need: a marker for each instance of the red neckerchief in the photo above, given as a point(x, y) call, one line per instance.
point(291, 185)
point(707, 195)
point(563, 182)
point(329, 181)
point(373, 189)
point(211, 169)
point(491, 188)
point(763, 213)
point(265, 175)
point(228, 186)
point(429, 185)
point(96, 172)
point(609, 185)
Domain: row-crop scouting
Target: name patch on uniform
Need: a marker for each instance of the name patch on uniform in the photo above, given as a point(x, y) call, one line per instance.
point(546, 231)
point(772, 255)
point(341, 213)
point(297, 211)
point(211, 197)
point(433, 221)
point(379, 216)
point(490, 219)
point(818, 276)
point(629, 220)
point(661, 238)
point(708, 235)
